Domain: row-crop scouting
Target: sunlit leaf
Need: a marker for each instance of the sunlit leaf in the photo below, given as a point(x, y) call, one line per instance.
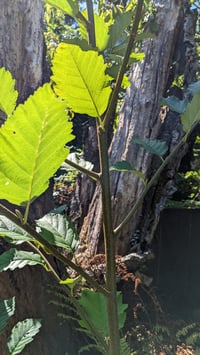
point(58, 230)
point(33, 146)
point(71, 282)
point(13, 259)
point(7, 309)
point(192, 114)
point(8, 94)
point(101, 33)
point(82, 43)
point(137, 57)
point(70, 7)
point(80, 78)
point(153, 146)
point(22, 334)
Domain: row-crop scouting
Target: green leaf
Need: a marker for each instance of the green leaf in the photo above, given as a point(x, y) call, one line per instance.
point(145, 35)
point(101, 32)
point(13, 259)
point(12, 233)
point(58, 230)
point(8, 94)
point(136, 57)
point(194, 88)
point(192, 114)
point(7, 309)
point(174, 103)
point(113, 70)
point(32, 146)
point(153, 146)
point(122, 21)
point(80, 78)
point(22, 334)
point(125, 166)
point(121, 45)
point(70, 7)
point(71, 282)
point(95, 306)
point(82, 43)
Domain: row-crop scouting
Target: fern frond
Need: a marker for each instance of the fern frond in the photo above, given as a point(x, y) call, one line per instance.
point(88, 348)
point(68, 317)
point(124, 347)
point(193, 339)
point(62, 305)
point(183, 332)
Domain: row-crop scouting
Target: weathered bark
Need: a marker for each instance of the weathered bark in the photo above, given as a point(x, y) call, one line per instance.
point(22, 43)
point(165, 56)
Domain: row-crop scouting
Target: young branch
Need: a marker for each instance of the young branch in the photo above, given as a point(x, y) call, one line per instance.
point(109, 242)
point(51, 269)
point(123, 68)
point(51, 249)
point(91, 174)
point(147, 188)
point(91, 25)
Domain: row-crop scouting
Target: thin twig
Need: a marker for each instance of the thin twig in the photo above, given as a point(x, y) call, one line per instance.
point(92, 174)
point(33, 246)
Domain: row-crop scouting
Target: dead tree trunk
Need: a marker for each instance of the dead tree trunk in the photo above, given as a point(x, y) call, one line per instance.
point(172, 52)
point(21, 43)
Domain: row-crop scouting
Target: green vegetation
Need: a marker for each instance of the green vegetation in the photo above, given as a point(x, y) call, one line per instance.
point(188, 183)
point(81, 76)
point(22, 333)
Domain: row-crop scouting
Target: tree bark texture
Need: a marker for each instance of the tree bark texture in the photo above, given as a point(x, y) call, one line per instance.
point(22, 52)
point(22, 43)
point(172, 52)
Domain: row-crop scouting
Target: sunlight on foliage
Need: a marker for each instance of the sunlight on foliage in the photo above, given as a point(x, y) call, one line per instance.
point(70, 7)
point(38, 129)
point(8, 94)
point(101, 32)
point(80, 79)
